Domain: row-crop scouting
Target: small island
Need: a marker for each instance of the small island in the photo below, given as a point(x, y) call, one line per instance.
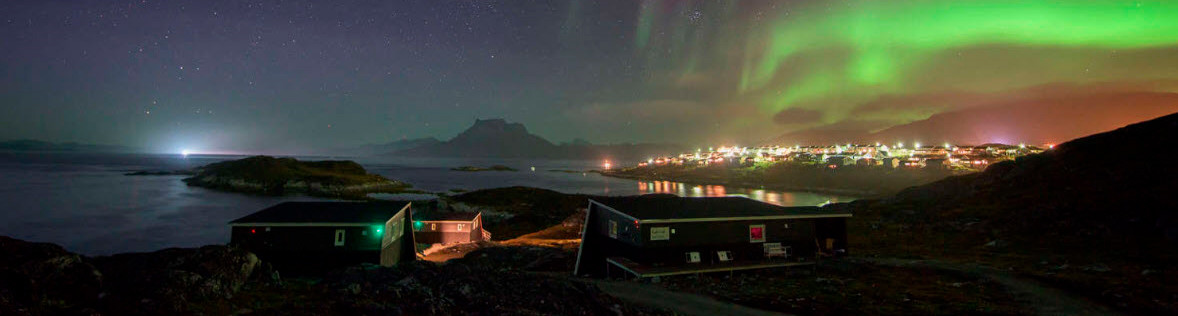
point(491, 168)
point(280, 176)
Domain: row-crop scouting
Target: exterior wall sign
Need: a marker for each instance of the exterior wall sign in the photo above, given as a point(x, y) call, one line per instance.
point(756, 233)
point(660, 233)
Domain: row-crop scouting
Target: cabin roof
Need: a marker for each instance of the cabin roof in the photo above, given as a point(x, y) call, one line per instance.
point(444, 216)
point(376, 212)
point(670, 207)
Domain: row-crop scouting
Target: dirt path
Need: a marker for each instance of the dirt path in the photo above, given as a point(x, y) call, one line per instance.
point(678, 302)
point(1044, 300)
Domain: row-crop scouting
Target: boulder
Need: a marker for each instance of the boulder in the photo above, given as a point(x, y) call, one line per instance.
point(169, 281)
point(43, 278)
point(457, 288)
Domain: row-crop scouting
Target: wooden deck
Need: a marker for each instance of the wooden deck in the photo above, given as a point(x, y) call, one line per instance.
point(644, 271)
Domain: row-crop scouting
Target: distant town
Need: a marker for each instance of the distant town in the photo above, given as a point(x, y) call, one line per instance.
point(944, 156)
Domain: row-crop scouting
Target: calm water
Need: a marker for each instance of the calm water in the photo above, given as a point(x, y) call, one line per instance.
point(85, 203)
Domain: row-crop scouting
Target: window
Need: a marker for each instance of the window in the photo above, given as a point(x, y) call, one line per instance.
point(433, 226)
point(339, 237)
point(613, 229)
point(461, 227)
point(756, 233)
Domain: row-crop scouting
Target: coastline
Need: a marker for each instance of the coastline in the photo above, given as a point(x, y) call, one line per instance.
point(860, 194)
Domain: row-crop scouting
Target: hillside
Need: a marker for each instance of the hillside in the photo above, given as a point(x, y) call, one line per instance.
point(1034, 121)
point(1096, 214)
point(278, 176)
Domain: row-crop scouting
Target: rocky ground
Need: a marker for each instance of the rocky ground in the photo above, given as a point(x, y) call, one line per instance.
point(44, 279)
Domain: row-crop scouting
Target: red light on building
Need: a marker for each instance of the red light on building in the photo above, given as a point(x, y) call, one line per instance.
point(253, 231)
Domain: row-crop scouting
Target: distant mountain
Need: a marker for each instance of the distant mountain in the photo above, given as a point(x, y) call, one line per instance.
point(488, 138)
point(43, 146)
point(1033, 121)
point(496, 138)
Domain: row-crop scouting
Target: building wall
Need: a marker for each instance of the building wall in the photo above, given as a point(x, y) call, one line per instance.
point(623, 227)
point(446, 232)
point(307, 238)
point(398, 245)
point(708, 238)
point(309, 250)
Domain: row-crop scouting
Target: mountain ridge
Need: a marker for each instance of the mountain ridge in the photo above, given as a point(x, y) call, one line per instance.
point(498, 138)
point(1041, 120)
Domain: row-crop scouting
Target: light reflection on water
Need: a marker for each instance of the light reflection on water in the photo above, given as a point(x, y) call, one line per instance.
point(782, 198)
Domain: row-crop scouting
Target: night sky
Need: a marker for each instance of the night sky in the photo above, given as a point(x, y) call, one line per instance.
point(286, 76)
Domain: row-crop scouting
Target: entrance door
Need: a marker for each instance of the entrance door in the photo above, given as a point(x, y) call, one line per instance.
point(339, 237)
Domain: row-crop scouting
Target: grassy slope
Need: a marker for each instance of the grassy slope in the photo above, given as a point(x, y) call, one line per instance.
point(1088, 216)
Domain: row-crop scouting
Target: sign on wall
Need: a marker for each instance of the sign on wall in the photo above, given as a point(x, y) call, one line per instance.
point(756, 233)
point(660, 233)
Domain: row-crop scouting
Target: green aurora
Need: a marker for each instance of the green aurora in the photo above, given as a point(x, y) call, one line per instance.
point(832, 57)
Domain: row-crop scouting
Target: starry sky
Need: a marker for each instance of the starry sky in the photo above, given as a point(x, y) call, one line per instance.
point(286, 76)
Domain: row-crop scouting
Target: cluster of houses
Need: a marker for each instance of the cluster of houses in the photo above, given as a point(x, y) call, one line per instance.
point(639, 236)
point(838, 155)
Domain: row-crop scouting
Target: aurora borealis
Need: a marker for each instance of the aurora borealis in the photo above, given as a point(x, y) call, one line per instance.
point(286, 75)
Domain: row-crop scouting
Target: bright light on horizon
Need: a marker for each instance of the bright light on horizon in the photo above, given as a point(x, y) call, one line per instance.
point(185, 152)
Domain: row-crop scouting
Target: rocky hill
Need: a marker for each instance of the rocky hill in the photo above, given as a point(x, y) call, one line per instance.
point(1098, 213)
point(278, 176)
point(1039, 120)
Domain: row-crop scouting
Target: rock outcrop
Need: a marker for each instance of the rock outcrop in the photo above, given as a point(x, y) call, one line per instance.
point(169, 281)
point(425, 288)
point(45, 279)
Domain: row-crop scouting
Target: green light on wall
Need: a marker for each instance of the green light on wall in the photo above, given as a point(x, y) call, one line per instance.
point(377, 230)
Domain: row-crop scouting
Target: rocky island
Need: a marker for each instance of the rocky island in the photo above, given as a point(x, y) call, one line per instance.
point(279, 176)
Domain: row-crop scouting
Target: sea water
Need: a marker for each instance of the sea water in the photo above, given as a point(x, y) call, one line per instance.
point(86, 203)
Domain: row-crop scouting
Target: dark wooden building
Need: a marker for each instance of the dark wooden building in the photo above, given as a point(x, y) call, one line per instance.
point(449, 227)
point(313, 237)
point(656, 235)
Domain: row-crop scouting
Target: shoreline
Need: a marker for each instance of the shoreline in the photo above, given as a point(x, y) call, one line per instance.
point(858, 194)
